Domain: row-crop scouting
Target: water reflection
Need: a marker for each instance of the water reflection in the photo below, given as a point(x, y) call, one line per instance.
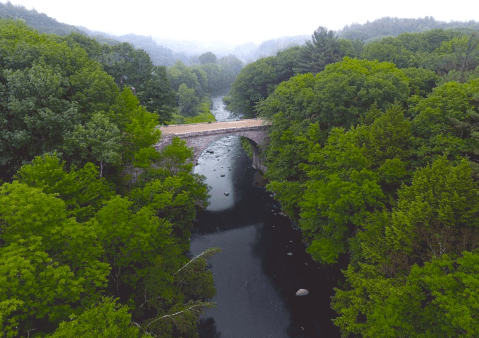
point(207, 328)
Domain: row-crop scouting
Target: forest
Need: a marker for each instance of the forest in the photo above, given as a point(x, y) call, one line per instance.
point(373, 153)
point(94, 222)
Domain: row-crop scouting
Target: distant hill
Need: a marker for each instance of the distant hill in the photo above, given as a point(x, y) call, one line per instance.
point(388, 26)
point(165, 51)
point(159, 55)
point(44, 24)
point(41, 22)
point(250, 52)
point(185, 51)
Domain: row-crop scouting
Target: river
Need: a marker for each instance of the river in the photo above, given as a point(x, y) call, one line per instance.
point(263, 261)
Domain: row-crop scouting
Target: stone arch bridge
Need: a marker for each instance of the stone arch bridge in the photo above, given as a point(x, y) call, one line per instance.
point(200, 135)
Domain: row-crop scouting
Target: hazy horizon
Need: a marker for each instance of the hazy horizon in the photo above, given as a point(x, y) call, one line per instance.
point(253, 21)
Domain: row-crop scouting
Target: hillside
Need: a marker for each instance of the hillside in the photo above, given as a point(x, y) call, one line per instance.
point(40, 21)
point(388, 26)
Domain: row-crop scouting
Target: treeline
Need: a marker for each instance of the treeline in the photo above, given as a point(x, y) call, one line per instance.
point(259, 79)
point(176, 93)
point(378, 165)
point(139, 70)
point(391, 27)
point(450, 54)
point(160, 55)
point(89, 245)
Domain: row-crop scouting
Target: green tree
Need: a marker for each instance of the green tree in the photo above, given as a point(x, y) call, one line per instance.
point(321, 50)
point(438, 299)
point(447, 122)
point(340, 195)
point(139, 133)
point(98, 141)
point(81, 190)
point(231, 66)
point(207, 57)
point(340, 96)
point(49, 261)
point(254, 83)
point(46, 88)
point(156, 94)
point(107, 319)
point(214, 76)
point(188, 102)
point(131, 241)
point(389, 50)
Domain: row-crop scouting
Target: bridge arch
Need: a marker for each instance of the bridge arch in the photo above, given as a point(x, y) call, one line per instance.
point(201, 135)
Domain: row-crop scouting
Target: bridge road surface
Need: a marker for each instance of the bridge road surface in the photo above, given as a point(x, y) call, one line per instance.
point(199, 127)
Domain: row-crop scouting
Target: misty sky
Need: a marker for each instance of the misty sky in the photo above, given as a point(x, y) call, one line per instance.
point(239, 21)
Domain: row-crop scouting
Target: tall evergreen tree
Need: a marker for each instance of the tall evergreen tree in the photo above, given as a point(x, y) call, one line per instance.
point(323, 49)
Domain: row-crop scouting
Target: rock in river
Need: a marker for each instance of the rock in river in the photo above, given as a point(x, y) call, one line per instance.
point(302, 292)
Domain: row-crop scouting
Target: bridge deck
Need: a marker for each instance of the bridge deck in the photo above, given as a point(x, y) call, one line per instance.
point(199, 127)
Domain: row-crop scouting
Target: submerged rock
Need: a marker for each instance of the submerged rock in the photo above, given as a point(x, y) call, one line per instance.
point(302, 292)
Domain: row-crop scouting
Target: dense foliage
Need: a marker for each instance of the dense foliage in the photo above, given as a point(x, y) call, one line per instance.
point(376, 160)
point(194, 84)
point(372, 152)
point(90, 245)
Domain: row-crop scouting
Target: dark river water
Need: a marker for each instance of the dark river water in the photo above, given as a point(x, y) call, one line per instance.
point(263, 261)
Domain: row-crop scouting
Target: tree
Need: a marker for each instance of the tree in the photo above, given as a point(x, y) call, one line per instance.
point(207, 57)
point(340, 96)
point(48, 260)
point(99, 141)
point(321, 50)
point(438, 299)
point(434, 216)
point(139, 132)
point(214, 76)
point(231, 64)
point(131, 241)
point(107, 319)
point(179, 74)
point(254, 83)
point(157, 96)
point(342, 191)
point(188, 102)
point(421, 81)
point(446, 122)
point(390, 50)
point(286, 60)
point(46, 88)
point(461, 54)
point(81, 190)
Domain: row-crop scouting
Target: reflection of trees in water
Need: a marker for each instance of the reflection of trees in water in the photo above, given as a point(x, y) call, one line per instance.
point(286, 273)
point(310, 315)
point(207, 328)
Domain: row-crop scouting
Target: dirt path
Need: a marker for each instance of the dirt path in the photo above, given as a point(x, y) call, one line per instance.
point(198, 127)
